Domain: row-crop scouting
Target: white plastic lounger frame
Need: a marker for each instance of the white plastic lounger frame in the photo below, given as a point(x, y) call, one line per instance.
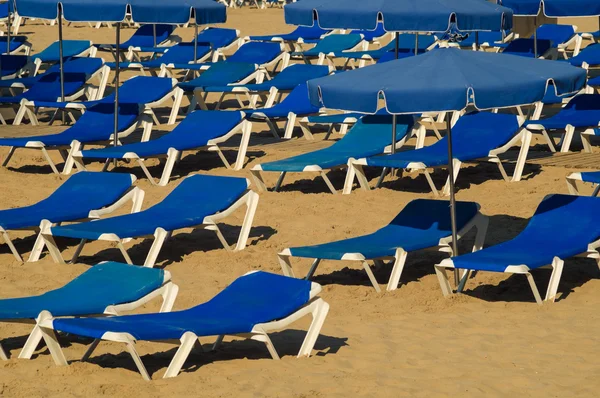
point(168, 291)
point(258, 180)
point(28, 109)
point(567, 136)
point(355, 167)
point(316, 307)
point(480, 222)
point(556, 266)
point(89, 52)
point(133, 53)
point(304, 124)
point(135, 195)
point(322, 59)
point(249, 199)
point(144, 122)
point(173, 155)
point(572, 184)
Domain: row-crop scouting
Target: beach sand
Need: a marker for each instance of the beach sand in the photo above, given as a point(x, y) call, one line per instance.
point(493, 340)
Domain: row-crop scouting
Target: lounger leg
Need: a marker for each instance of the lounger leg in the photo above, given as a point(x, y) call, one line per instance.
point(251, 206)
point(243, 148)
point(585, 140)
point(169, 295)
point(3, 355)
point(567, 139)
point(525, 144)
point(534, 288)
point(446, 190)
point(273, 127)
point(50, 339)
point(349, 180)
point(177, 98)
point(88, 353)
point(32, 343)
point(69, 162)
point(306, 131)
point(399, 261)
point(52, 247)
point(124, 252)
point(258, 181)
point(442, 276)
point(596, 190)
point(289, 125)
point(279, 181)
point(217, 342)
point(264, 337)
point(328, 182)
point(549, 141)
point(137, 359)
point(159, 238)
point(572, 186)
point(188, 341)
point(431, 184)
point(557, 268)
point(367, 268)
point(11, 246)
point(11, 152)
point(360, 176)
point(381, 177)
point(47, 156)
point(172, 156)
point(286, 265)
point(319, 314)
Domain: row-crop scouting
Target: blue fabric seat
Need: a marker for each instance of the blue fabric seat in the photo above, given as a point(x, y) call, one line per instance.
point(250, 305)
point(182, 53)
point(11, 65)
point(331, 43)
point(581, 111)
point(144, 37)
point(591, 176)
point(369, 136)
point(422, 224)
point(406, 47)
point(550, 234)
point(286, 80)
point(80, 65)
point(370, 35)
point(300, 33)
point(208, 194)
point(199, 129)
point(16, 43)
point(72, 201)
point(589, 55)
point(219, 74)
point(102, 287)
point(71, 48)
point(47, 88)
point(526, 47)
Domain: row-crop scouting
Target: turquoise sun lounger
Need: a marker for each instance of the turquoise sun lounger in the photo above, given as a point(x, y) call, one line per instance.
point(200, 129)
point(252, 306)
point(369, 136)
point(83, 196)
point(476, 136)
point(331, 44)
point(422, 225)
point(199, 201)
point(105, 289)
point(562, 227)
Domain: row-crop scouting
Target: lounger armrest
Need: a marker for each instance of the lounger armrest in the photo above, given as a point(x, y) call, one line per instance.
point(168, 291)
point(135, 195)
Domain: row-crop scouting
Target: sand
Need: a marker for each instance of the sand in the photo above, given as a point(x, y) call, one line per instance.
point(492, 340)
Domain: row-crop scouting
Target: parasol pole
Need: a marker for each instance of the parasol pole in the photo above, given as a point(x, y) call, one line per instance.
point(452, 198)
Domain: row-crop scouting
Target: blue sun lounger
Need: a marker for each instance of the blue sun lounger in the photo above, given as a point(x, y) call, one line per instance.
point(83, 196)
point(142, 37)
point(18, 44)
point(476, 136)
point(146, 91)
point(423, 224)
point(581, 115)
point(96, 125)
point(343, 120)
point(589, 55)
point(550, 237)
point(199, 201)
point(594, 37)
point(331, 44)
point(253, 305)
point(217, 39)
point(297, 103)
point(372, 36)
point(592, 177)
point(285, 81)
point(552, 40)
point(300, 35)
point(369, 136)
point(200, 129)
point(106, 289)
point(12, 66)
point(71, 48)
point(48, 88)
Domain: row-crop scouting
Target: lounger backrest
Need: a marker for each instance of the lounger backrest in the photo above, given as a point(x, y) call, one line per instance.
point(584, 102)
point(223, 73)
point(97, 123)
point(298, 101)
point(88, 191)
point(258, 297)
point(370, 35)
point(217, 37)
point(221, 191)
point(104, 284)
point(144, 89)
point(217, 123)
point(144, 36)
point(11, 64)
point(373, 132)
point(525, 47)
point(256, 52)
point(557, 34)
point(565, 219)
point(589, 55)
point(474, 135)
point(183, 53)
point(47, 88)
point(301, 73)
point(309, 32)
point(332, 43)
point(71, 48)
point(427, 214)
